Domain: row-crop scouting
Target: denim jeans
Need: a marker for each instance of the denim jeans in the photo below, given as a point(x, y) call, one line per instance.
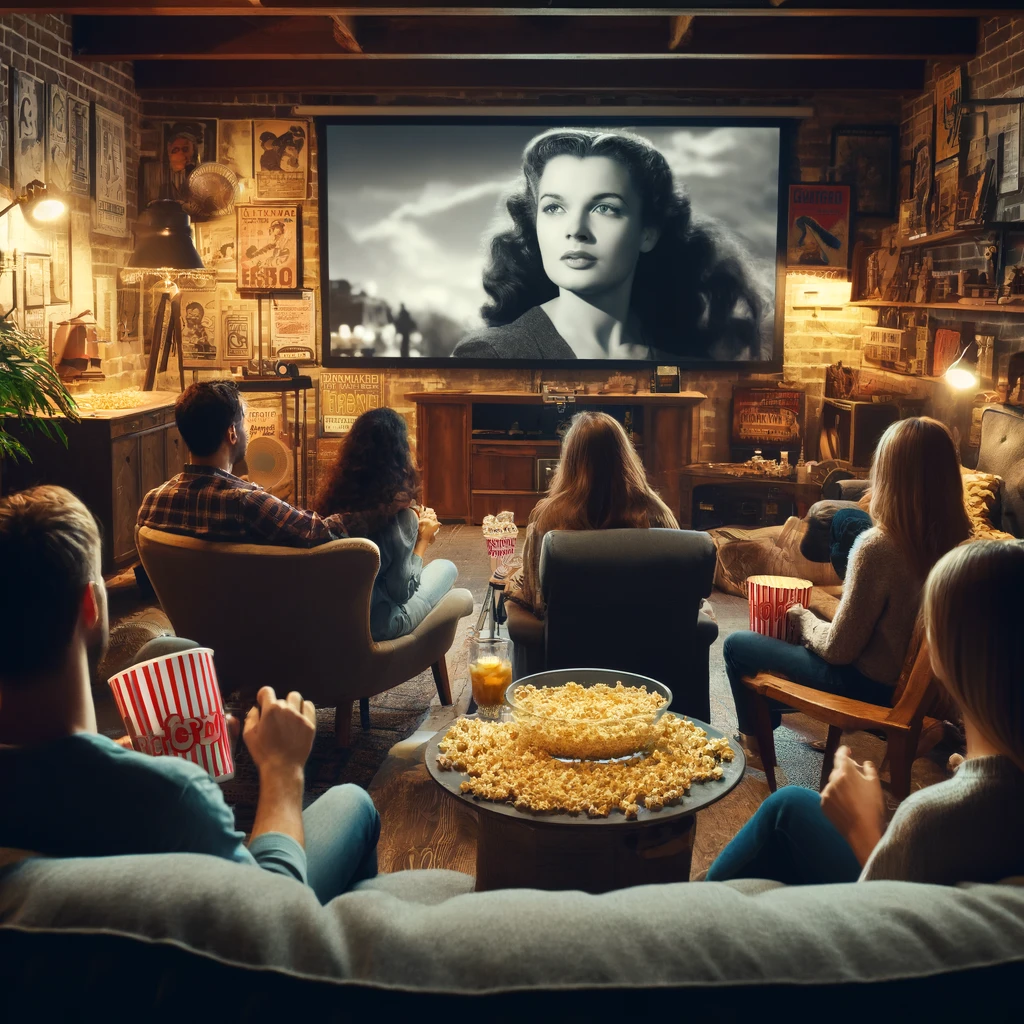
point(789, 839)
point(342, 828)
point(747, 653)
point(436, 579)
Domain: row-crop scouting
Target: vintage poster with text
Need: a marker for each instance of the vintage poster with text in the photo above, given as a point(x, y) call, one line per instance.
point(267, 248)
point(344, 396)
point(818, 233)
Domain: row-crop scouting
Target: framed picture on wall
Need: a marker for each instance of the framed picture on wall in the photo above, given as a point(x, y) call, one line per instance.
point(110, 214)
point(199, 330)
point(818, 226)
point(949, 94)
point(947, 180)
point(865, 156)
point(28, 109)
point(268, 248)
point(78, 147)
point(35, 279)
point(58, 138)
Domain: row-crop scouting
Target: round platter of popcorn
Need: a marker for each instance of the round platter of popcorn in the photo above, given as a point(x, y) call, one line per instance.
point(584, 745)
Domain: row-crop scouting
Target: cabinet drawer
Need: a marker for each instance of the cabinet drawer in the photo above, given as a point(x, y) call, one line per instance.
point(503, 470)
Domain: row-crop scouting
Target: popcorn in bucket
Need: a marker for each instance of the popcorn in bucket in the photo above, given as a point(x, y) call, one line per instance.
point(500, 532)
point(172, 706)
point(770, 597)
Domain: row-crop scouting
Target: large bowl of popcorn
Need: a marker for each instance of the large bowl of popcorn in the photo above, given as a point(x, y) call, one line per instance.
point(588, 714)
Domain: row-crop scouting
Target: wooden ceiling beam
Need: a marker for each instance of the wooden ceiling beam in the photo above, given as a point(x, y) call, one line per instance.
point(324, 8)
point(116, 39)
point(525, 76)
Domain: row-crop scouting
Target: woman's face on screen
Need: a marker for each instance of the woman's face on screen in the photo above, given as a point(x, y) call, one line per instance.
point(589, 223)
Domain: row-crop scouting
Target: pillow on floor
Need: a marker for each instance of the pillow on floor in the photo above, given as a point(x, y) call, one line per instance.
point(772, 550)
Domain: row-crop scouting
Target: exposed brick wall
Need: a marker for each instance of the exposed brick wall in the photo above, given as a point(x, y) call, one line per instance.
point(41, 46)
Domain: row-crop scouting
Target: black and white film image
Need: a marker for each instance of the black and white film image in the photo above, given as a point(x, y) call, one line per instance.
point(520, 242)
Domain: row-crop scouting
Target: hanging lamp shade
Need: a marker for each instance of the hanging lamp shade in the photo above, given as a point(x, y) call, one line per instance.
point(163, 241)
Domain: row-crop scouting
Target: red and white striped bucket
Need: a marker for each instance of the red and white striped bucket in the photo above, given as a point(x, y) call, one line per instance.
point(501, 547)
point(172, 706)
point(770, 597)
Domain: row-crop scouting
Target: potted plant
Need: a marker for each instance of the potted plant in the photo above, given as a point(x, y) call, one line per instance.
point(30, 392)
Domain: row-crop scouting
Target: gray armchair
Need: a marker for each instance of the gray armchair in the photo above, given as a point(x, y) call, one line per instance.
point(628, 600)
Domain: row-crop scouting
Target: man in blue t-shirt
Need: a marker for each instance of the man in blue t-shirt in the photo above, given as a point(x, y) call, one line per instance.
point(66, 791)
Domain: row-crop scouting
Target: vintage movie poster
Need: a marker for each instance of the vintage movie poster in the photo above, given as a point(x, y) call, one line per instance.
point(234, 147)
point(79, 181)
point(819, 226)
point(280, 159)
point(199, 329)
point(263, 421)
point(344, 396)
point(293, 327)
point(28, 110)
point(58, 153)
point(215, 242)
point(767, 416)
point(237, 330)
point(35, 322)
point(947, 181)
point(110, 213)
point(268, 248)
point(949, 94)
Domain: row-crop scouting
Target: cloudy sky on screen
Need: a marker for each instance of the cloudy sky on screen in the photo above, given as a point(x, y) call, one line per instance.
point(411, 208)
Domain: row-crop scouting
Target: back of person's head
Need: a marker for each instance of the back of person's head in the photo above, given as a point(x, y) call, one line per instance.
point(600, 482)
point(973, 621)
point(49, 554)
point(917, 496)
point(203, 413)
point(375, 473)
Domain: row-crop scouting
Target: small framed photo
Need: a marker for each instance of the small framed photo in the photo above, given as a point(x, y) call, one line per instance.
point(866, 156)
point(35, 279)
point(268, 248)
point(818, 227)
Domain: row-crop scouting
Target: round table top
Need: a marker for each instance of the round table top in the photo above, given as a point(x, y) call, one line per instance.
point(698, 796)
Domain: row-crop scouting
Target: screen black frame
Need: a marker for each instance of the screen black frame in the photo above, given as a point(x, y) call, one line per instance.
point(633, 117)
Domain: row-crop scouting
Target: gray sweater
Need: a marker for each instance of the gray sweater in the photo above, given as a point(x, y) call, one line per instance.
point(398, 577)
point(875, 619)
point(967, 829)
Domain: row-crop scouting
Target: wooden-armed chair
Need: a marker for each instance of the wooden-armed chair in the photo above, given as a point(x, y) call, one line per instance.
point(902, 723)
point(295, 618)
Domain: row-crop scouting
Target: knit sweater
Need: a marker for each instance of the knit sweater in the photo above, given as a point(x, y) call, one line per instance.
point(874, 622)
point(967, 829)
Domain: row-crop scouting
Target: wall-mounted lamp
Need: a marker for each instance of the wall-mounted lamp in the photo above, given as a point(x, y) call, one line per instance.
point(963, 373)
point(38, 204)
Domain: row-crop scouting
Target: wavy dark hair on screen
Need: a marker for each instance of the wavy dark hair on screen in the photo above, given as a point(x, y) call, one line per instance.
point(375, 476)
point(693, 289)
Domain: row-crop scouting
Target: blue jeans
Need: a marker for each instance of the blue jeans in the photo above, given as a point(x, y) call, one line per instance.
point(789, 839)
point(747, 653)
point(342, 828)
point(846, 526)
point(436, 579)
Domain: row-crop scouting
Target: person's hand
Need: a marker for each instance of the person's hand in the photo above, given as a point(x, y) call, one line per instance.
point(427, 530)
point(794, 624)
point(853, 802)
point(280, 733)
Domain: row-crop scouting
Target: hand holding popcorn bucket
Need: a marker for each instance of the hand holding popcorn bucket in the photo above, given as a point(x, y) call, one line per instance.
point(172, 706)
point(770, 598)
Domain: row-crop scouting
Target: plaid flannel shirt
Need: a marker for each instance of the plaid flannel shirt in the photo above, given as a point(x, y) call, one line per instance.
point(210, 504)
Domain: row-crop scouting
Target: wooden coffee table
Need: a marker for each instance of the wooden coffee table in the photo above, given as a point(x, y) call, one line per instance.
point(520, 849)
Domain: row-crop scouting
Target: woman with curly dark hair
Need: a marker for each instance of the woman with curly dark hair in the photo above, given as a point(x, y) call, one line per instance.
point(376, 481)
point(604, 260)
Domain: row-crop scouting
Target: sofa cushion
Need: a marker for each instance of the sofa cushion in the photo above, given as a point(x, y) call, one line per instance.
point(180, 922)
point(1002, 453)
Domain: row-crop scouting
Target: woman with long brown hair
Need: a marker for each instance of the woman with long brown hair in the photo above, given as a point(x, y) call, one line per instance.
point(600, 484)
point(376, 481)
point(918, 514)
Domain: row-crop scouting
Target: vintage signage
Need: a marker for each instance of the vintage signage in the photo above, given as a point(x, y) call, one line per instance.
point(344, 396)
point(267, 248)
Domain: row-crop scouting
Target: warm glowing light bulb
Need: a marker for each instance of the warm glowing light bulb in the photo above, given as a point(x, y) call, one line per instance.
point(47, 210)
point(960, 378)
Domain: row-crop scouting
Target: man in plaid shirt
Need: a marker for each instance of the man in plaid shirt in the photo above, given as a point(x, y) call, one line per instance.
point(207, 501)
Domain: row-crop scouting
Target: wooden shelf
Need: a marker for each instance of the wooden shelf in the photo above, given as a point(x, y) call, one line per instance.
point(938, 237)
point(990, 307)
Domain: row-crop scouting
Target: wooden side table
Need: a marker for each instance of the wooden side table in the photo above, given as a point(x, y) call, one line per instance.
point(728, 474)
point(519, 849)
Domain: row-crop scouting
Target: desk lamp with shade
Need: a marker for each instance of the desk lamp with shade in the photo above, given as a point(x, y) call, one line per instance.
point(164, 249)
point(963, 372)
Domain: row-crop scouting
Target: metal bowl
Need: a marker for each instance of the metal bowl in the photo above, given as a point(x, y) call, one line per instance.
point(596, 739)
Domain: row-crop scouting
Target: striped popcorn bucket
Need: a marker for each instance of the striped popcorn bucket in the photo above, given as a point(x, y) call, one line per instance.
point(770, 597)
point(501, 547)
point(172, 706)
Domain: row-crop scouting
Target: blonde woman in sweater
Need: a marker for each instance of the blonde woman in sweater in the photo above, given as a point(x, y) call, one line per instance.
point(918, 513)
point(967, 829)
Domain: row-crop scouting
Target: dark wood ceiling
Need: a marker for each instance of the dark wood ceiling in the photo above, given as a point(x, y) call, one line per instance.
point(749, 46)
